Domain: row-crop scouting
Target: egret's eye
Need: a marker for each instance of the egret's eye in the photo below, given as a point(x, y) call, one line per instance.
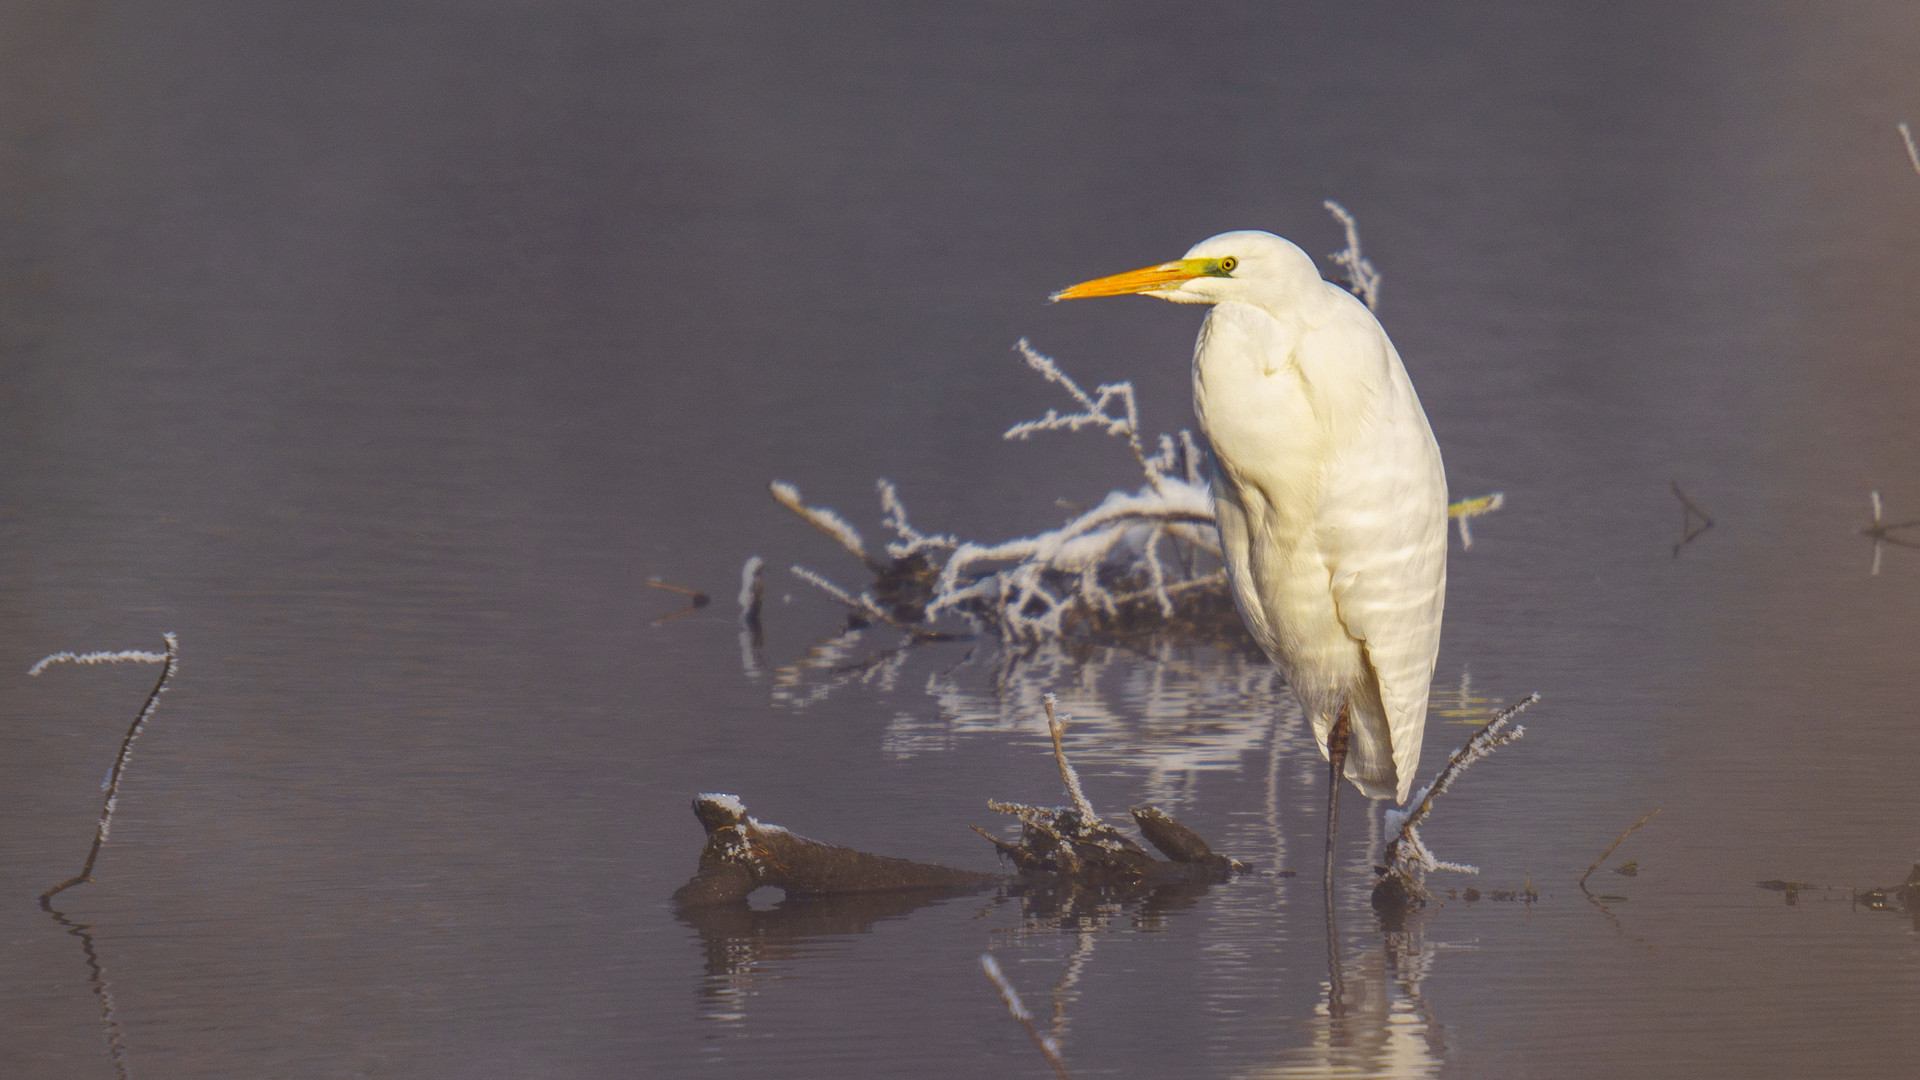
point(1227, 264)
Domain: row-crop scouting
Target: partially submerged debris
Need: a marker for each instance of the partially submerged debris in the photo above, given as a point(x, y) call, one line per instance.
point(1075, 841)
point(742, 855)
point(1904, 897)
point(695, 600)
point(1066, 842)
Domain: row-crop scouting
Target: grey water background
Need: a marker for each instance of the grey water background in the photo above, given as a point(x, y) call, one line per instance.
point(385, 351)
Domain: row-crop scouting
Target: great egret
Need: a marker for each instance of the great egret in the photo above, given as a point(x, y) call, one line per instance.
point(1329, 492)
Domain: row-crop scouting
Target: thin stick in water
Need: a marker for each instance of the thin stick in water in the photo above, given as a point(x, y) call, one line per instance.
point(169, 662)
point(1058, 728)
point(1616, 843)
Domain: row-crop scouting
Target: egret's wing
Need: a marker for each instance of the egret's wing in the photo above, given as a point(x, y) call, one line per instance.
point(1236, 546)
point(1382, 526)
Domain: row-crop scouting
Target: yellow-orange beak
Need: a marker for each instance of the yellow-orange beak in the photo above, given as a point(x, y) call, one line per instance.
point(1149, 279)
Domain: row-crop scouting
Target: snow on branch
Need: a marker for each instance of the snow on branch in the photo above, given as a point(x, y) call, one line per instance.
point(828, 522)
point(124, 656)
point(1137, 561)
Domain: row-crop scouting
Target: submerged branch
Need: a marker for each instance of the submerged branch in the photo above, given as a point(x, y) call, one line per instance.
point(1650, 815)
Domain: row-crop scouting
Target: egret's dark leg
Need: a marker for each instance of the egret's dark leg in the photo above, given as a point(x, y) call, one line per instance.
point(1337, 740)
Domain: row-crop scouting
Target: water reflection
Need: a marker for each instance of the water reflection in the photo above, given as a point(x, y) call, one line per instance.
point(1372, 1020)
point(1165, 713)
point(97, 981)
point(744, 944)
point(1188, 709)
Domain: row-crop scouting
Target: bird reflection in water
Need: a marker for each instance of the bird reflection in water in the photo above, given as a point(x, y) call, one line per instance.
point(1373, 1020)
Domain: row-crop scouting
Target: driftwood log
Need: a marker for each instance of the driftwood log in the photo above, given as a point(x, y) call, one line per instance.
point(742, 855)
point(1060, 843)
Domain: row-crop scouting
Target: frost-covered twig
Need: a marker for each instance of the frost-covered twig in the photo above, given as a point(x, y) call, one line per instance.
point(864, 604)
point(1048, 1047)
point(169, 662)
point(1906, 136)
point(828, 522)
point(1135, 557)
point(894, 516)
point(1058, 728)
point(124, 656)
point(753, 592)
point(1407, 857)
point(1095, 414)
point(1360, 272)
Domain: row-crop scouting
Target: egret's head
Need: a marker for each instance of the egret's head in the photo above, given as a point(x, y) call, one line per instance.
point(1249, 266)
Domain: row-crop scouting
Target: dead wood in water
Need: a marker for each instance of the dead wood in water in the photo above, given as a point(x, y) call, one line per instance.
point(1402, 884)
point(1058, 845)
point(1074, 841)
point(742, 855)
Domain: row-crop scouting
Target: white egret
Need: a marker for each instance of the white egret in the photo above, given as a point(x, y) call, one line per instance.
point(1329, 492)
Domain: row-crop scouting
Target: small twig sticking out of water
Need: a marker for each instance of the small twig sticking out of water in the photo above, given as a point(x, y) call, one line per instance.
point(1616, 843)
point(1057, 728)
point(1881, 531)
point(1406, 857)
point(169, 662)
point(1913, 153)
point(753, 594)
point(1048, 1047)
point(695, 600)
point(1689, 510)
point(1361, 276)
point(1461, 511)
point(97, 976)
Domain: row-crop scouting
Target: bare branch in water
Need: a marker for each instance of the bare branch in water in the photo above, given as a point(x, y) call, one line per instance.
point(1403, 881)
point(1047, 1046)
point(1616, 843)
point(695, 600)
point(97, 978)
point(169, 662)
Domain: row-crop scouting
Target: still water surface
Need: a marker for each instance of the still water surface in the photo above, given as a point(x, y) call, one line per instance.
point(384, 353)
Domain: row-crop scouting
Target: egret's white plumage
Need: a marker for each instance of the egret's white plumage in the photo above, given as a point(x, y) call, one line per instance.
point(1328, 489)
